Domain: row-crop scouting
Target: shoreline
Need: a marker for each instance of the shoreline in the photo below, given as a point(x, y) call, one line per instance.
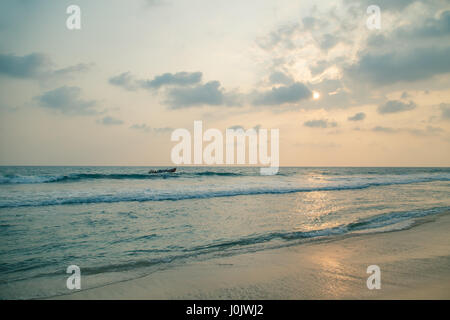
point(414, 264)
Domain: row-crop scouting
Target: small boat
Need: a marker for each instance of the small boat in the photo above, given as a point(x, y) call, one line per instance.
point(163, 170)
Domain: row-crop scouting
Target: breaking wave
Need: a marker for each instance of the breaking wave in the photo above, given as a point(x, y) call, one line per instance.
point(189, 192)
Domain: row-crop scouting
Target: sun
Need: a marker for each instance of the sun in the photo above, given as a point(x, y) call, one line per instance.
point(316, 95)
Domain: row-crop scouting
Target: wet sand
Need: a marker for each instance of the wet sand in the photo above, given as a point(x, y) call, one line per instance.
point(414, 264)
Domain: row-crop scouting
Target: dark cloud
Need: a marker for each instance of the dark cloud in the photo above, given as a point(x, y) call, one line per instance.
point(34, 65)
point(127, 81)
point(29, 66)
point(322, 123)
point(110, 121)
point(411, 65)
point(394, 106)
point(66, 100)
point(184, 89)
point(285, 94)
point(209, 93)
point(177, 79)
point(124, 80)
point(357, 117)
point(376, 40)
point(431, 27)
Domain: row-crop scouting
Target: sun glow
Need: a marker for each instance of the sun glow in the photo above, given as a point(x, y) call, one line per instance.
point(316, 95)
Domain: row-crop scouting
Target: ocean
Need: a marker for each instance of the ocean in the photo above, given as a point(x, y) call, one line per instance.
point(120, 223)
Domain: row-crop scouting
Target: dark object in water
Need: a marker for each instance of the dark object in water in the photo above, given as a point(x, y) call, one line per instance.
point(163, 170)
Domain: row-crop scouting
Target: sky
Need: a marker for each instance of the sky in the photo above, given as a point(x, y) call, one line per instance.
point(111, 93)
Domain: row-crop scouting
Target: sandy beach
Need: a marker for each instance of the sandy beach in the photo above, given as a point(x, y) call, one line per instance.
point(414, 263)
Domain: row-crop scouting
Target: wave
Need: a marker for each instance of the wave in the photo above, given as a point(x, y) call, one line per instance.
point(21, 179)
point(191, 193)
point(345, 173)
point(375, 222)
point(264, 241)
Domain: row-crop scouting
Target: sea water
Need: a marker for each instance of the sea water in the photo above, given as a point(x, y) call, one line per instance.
point(120, 223)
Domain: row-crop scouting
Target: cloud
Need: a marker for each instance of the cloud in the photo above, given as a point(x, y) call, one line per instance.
point(318, 67)
point(280, 78)
point(124, 80)
point(428, 131)
point(284, 94)
point(236, 127)
point(162, 130)
point(34, 66)
point(145, 128)
point(309, 22)
point(357, 117)
point(128, 81)
point(185, 89)
point(28, 66)
point(110, 121)
point(394, 106)
point(376, 40)
point(66, 101)
point(177, 79)
point(366, 62)
point(411, 65)
point(239, 127)
point(142, 127)
point(445, 109)
point(209, 93)
point(282, 37)
point(405, 95)
point(384, 129)
point(322, 123)
point(81, 67)
point(328, 41)
point(430, 28)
